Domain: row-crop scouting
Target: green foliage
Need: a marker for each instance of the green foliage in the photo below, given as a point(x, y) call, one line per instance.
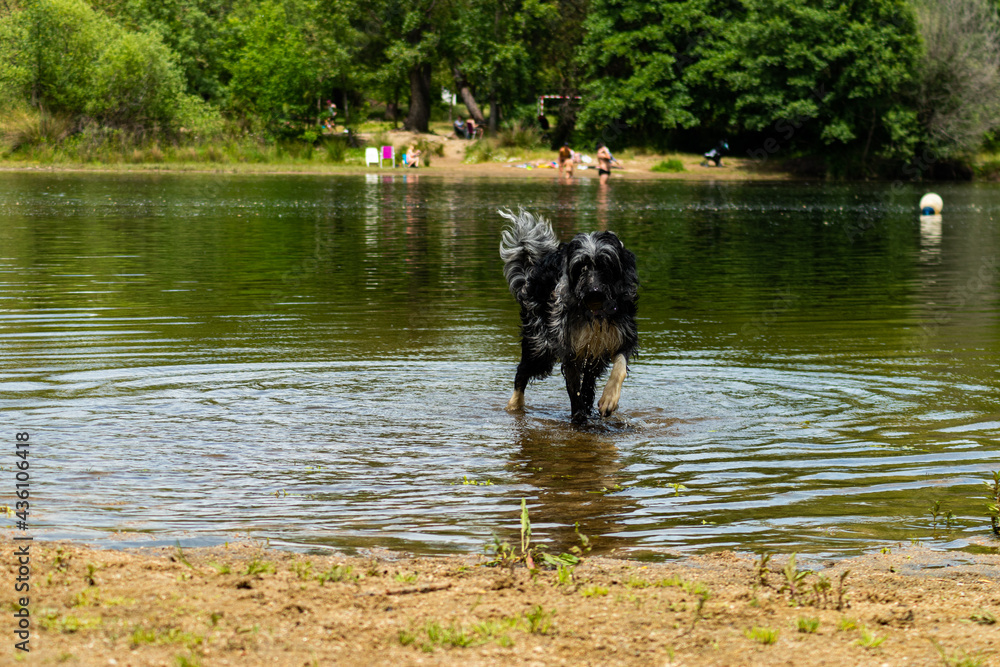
point(762, 635)
point(632, 57)
point(190, 29)
point(865, 86)
point(671, 166)
point(870, 640)
point(64, 57)
point(807, 625)
point(134, 82)
point(519, 135)
point(22, 127)
point(836, 74)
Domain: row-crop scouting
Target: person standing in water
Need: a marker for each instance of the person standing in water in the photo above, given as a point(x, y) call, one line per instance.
point(566, 161)
point(603, 162)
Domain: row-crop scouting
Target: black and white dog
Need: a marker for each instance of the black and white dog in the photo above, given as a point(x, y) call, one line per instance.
point(578, 304)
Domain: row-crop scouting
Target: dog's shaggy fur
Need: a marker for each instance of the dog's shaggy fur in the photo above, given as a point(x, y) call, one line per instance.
point(578, 304)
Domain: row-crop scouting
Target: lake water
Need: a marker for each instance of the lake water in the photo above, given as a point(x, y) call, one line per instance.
point(324, 361)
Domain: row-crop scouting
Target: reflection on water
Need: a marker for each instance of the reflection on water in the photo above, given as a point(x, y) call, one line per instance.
point(325, 361)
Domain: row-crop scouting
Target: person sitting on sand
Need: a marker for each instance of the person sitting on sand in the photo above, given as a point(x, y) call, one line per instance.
point(715, 155)
point(412, 157)
point(566, 161)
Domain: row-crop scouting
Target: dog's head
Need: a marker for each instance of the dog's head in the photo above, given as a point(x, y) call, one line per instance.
point(602, 274)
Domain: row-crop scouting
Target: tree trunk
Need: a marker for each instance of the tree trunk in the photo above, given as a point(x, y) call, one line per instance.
point(465, 93)
point(420, 99)
point(494, 113)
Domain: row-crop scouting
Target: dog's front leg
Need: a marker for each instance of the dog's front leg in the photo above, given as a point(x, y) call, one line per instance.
point(516, 402)
point(574, 384)
point(613, 388)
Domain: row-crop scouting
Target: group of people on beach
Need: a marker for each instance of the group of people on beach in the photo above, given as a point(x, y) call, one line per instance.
point(568, 159)
point(468, 129)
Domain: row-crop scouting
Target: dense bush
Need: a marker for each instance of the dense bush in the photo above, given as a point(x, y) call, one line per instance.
point(66, 58)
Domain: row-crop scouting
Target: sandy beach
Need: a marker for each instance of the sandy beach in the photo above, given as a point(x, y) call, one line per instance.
point(248, 604)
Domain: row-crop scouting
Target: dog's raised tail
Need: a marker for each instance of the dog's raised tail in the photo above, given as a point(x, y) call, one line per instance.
point(523, 244)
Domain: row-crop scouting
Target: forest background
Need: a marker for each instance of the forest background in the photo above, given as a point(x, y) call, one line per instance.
point(847, 89)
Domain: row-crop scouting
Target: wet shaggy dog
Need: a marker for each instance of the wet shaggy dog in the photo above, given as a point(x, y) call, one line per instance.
point(578, 304)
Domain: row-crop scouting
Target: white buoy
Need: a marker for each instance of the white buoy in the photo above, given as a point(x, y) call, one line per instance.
point(931, 204)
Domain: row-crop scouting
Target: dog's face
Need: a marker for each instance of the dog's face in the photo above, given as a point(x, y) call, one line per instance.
point(602, 274)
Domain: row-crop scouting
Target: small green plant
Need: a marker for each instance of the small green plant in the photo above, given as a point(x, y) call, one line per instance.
point(220, 568)
point(460, 636)
point(846, 624)
point(593, 591)
point(678, 488)
point(303, 569)
point(526, 535)
point(869, 640)
point(842, 590)
point(539, 621)
point(993, 504)
point(793, 577)
point(257, 566)
point(671, 166)
point(453, 635)
point(405, 578)
point(959, 657)
point(336, 573)
point(762, 569)
point(496, 631)
point(807, 625)
point(636, 582)
point(471, 482)
point(938, 512)
point(180, 557)
point(505, 555)
point(983, 617)
point(86, 598)
point(762, 635)
point(821, 587)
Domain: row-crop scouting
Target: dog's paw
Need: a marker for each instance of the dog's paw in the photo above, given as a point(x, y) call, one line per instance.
point(516, 402)
point(609, 401)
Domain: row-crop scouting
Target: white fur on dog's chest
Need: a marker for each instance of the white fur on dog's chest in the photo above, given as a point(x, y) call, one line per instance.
point(595, 339)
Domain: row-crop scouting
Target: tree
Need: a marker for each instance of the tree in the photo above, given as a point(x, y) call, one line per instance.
point(836, 74)
point(958, 95)
point(190, 28)
point(65, 57)
point(491, 48)
point(282, 55)
point(634, 57)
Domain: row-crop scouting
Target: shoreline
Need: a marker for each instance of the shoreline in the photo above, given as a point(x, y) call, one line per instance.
point(450, 167)
point(248, 604)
